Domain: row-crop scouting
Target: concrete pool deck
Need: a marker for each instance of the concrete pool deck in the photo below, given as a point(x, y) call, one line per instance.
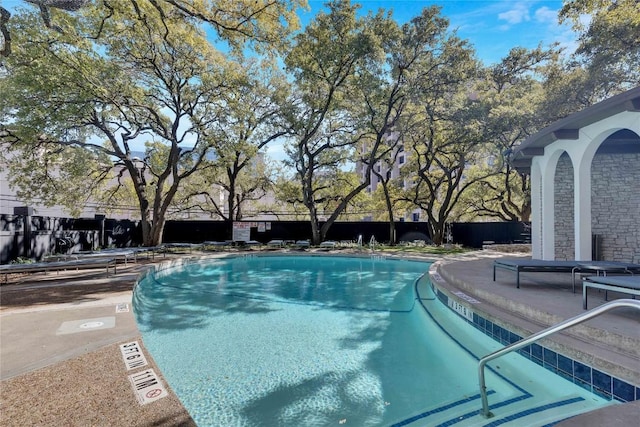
point(61, 363)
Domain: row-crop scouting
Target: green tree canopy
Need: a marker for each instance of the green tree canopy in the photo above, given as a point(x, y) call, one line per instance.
point(143, 77)
point(239, 173)
point(261, 23)
point(324, 131)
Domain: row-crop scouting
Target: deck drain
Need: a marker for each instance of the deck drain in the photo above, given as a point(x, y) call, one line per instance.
point(86, 325)
point(123, 307)
point(91, 325)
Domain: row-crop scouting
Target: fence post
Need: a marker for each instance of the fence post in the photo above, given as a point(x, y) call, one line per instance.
point(25, 212)
point(100, 219)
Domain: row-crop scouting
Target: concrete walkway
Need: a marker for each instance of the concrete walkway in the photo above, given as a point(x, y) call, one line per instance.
point(60, 359)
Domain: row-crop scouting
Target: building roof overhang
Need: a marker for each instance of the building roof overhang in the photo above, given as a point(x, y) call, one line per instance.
point(569, 127)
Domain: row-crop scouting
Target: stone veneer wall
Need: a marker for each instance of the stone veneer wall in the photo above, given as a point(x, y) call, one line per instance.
point(563, 210)
point(615, 205)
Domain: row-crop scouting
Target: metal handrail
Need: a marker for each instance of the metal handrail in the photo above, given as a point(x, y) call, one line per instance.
point(539, 335)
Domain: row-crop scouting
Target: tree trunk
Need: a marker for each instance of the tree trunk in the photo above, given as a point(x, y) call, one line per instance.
point(157, 229)
point(315, 232)
point(392, 224)
point(145, 224)
point(229, 227)
point(437, 233)
point(316, 238)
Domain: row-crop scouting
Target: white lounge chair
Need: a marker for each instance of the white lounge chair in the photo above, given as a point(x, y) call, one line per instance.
point(302, 244)
point(276, 243)
point(330, 244)
point(74, 264)
point(625, 284)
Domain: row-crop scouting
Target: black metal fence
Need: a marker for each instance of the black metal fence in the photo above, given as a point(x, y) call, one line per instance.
point(475, 234)
point(264, 231)
point(35, 236)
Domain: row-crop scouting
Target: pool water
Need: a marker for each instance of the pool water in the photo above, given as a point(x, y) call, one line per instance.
point(317, 341)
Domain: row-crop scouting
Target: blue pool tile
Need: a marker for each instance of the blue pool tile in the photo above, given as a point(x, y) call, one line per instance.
point(582, 371)
point(482, 323)
point(524, 354)
point(623, 391)
point(489, 327)
point(601, 393)
point(504, 336)
point(497, 332)
point(565, 375)
point(565, 364)
point(442, 297)
point(601, 381)
point(583, 375)
point(550, 357)
point(584, 384)
point(537, 361)
point(536, 351)
point(525, 351)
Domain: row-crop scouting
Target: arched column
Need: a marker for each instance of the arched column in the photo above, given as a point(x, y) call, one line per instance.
point(582, 153)
point(536, 210)
point(576, 195)
point(547, 165)
point(582, 205)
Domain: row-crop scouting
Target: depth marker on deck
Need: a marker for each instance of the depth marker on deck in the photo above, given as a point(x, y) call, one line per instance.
point(132, 355)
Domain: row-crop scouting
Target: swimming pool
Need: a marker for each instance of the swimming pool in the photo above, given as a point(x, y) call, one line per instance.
point(319, 340)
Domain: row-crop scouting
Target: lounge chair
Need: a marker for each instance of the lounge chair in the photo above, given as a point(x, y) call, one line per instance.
point(74, 264)
point(330, 244)
point(302, 244)
point(276, 243)
point(603, 268)
point(119, 253)
point(533, 266)
point(168, 247)
point(573, 267)
point(217, 243)
point(625, 284)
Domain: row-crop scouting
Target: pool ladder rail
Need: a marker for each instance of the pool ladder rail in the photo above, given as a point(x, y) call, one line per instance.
point(485, 412)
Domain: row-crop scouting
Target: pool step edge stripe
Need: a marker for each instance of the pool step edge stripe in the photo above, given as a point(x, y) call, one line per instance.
point(517, 418)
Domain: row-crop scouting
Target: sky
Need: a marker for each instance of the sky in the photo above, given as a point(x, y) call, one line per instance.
point(493, 27)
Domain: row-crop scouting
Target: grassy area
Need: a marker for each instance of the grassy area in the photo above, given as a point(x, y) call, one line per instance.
point(423, 249)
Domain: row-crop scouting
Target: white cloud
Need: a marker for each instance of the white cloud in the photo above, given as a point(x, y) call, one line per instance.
point(553, 31)
point(546, 15)
point(517, 15)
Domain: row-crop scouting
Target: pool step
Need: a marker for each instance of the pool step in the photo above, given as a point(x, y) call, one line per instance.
point(443, 413)
point(509, 413)
point(530, 413)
